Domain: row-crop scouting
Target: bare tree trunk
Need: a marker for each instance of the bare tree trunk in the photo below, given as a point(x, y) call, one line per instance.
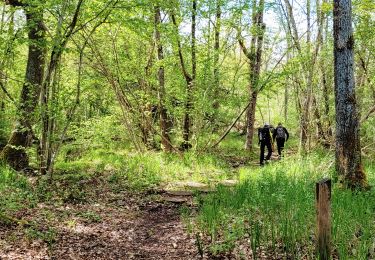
point(348, 149)
point(325, 120)
point(292, 25)
point(251, 121)
point(305, 138)
point(308, 20)
point(14, 152)
point(304, 112)
point(255, 66)
point(189, 90)
point(165, 139)
point(47, 93)
point(216, 62)
point(325, 83)
point(287, 83)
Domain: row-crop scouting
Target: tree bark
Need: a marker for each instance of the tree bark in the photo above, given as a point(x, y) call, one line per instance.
point(348, 150)
point(326, 121)
point(165, 139)
point(216, 92)
point(255, 58)
point(189, 89)
point(47, 90)
point(14, 153)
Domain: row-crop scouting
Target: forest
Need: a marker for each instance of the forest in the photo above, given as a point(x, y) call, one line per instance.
point(187, 129)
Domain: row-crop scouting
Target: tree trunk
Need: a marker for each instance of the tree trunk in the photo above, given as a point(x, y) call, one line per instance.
point(14, 152)
point(292, 25)
point(255, 57)
point(251, 120)
point(165, 140)
point(189, 88)
point(348, 149)
point(305, 138)
point(327, 125)
point(47, 94)
point(216, 92)
point(308, 20)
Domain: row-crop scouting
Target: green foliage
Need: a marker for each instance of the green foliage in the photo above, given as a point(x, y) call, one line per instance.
point(48, 235)
point(67, 188)
point(275, 208)
point(15, 192)
point(90, 216)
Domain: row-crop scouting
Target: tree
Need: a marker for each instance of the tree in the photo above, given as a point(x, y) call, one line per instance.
point(14, 152)
point(255, 60)
point(165, 139)
point(348, 148)
point(189, 78)
point(216, 103)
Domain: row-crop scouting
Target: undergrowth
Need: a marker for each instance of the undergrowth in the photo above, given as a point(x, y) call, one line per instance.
point(272, 211)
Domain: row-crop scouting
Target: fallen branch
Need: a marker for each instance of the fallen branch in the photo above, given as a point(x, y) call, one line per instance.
point(231, 126)
point(265, 82)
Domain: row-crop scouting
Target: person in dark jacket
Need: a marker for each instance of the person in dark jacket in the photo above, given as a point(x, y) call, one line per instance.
point(265, 140)
point(281, 135)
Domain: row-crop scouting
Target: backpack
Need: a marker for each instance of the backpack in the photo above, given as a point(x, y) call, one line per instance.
point(260, 134)
point(264, 134)
point(280, 133)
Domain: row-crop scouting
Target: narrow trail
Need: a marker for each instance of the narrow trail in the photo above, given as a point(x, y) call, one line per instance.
point(153, 231)
point(109, 225)
point(121, 229)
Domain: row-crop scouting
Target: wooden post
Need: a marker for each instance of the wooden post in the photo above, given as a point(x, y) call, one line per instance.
point(323, 209)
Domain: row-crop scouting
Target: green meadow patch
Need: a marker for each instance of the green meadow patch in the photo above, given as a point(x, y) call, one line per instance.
point(273, 210)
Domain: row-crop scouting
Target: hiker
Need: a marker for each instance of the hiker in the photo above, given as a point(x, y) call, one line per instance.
point(281, 135)
point(265, 139)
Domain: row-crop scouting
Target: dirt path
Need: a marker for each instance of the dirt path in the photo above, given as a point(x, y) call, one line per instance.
point(107, 225)
point(112, 229)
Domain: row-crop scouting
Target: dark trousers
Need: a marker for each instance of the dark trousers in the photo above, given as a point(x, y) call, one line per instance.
point(280, 145)
point(262, 148)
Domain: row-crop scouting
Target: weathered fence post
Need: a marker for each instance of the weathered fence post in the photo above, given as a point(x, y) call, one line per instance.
point(323, 209)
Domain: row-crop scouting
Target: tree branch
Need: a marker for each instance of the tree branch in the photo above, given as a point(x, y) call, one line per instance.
point(187, 76)
point(110, 4)
point(6, 92)
point(242, 45)
point(74, 20)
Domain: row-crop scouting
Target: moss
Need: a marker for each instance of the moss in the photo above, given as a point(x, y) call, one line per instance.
point(14, 153)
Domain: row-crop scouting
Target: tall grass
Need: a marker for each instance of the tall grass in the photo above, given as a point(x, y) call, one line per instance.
point(273, 210)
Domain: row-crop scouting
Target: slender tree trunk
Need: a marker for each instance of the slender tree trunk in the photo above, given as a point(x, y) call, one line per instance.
point(255, 66)
point(14, 152)
point(348, 149)
point(189, 89)
point(216, 62)
point(321, 134)
point(47, 93)
point(251, 121)
point(292, 25)
point(325, 82)
point(165, 139)
point(305, 138)
point(308, 20)
point(288, 82)
point(326, 121)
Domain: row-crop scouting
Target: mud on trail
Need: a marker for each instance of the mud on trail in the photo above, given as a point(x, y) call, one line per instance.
point(118, 226)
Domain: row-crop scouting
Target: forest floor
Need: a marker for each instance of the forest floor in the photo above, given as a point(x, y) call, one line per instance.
point(109, 224)
point(116, 226)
